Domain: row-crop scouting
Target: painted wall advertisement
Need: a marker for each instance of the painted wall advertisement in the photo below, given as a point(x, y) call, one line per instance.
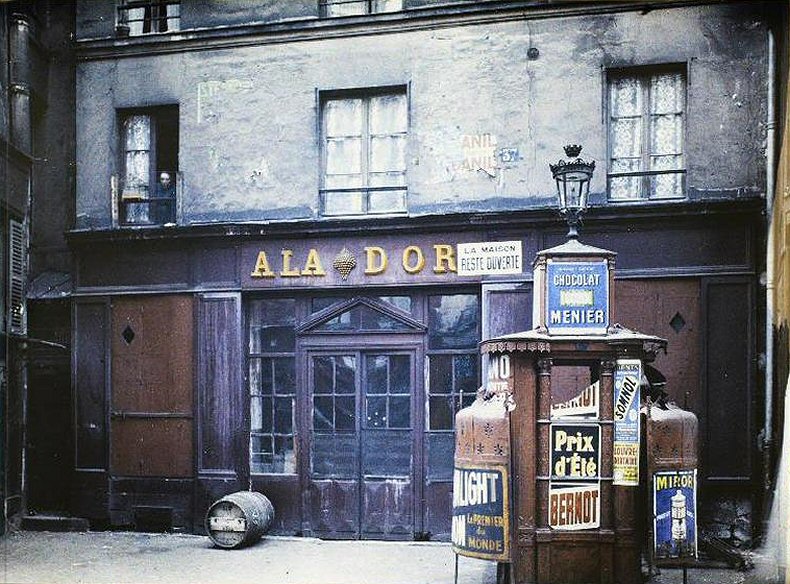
point(627, 379)
point(575, 488)
point(481, 503)
point(675, 514)
point(578, 298)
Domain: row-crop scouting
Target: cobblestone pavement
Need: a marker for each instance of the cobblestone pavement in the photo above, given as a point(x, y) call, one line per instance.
point(141, 558)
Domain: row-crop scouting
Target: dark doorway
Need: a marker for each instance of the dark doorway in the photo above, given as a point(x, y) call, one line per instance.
point(49, 452)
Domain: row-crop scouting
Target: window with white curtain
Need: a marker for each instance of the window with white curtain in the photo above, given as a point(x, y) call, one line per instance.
point(353, 7)
point(364, 153)
point(647, 111)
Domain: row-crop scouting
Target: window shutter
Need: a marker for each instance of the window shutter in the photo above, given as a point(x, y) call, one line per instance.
point(17, 317)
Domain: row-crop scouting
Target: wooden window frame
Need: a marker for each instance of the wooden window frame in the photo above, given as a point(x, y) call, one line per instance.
point(643, 75)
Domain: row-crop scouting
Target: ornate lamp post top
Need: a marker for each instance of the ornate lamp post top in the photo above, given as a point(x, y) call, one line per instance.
point(573, 186)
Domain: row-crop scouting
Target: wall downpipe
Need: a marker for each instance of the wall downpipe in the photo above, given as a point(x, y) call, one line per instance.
point(770, 163)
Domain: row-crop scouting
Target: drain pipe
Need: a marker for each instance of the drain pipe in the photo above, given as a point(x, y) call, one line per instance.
point(770, 160)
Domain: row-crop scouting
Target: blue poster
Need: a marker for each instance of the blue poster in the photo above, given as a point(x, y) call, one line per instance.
point(577, 298)
point(481, 511)
point(675, 514)
point(627, 379)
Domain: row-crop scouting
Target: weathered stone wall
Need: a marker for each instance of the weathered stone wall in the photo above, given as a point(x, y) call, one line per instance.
point(249, 145)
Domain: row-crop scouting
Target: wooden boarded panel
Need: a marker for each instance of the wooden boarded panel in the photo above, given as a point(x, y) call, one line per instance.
point(334, 508)
point(670, 309)
point(152, 385)
point(90, 383)
point(507, 308)
point(153, 372)
point(151, 447)
point(387, 509)
point(220, 384)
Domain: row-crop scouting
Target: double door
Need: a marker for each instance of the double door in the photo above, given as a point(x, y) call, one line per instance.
point(363, 413)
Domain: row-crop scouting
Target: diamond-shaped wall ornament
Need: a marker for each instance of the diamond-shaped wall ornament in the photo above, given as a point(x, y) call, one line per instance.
point(344, 262)
point(128, 334)
point(677, 323)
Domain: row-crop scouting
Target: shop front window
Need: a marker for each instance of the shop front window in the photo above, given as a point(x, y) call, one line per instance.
point(272, 385)
point(453, 373)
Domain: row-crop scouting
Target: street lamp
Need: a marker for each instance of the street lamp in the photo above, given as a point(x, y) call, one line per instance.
point(573, 186)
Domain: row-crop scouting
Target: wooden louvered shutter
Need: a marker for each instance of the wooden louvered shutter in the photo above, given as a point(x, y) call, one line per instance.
point(17, 306)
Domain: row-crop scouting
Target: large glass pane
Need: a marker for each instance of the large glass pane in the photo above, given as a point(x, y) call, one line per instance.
point(666, 134)
point(346, 381)
point(441, 412)
point(283, 415)
point(402, 302)
point(376, 374)
point(624, 188)
point(284, 375)
point(256, 415)
point(388, 114)
point(343, 156)
point(346, 7)
point(272, 325)
point(666, 94)
point(441, 373)
point(387, 153)
point(452, 321)
point(387, 5)
point(323, 413)
point(400, 411)
point(324, 373)
point(344, 203)
point(465, 367)
point(626, 137)
point(284, 455)
point(345, 321)
point(666, 186)
point(264, 420)
point(625, 97)
point(440, 448)
point(260, 376)
point(376, 412)
point(373, 320)
point(261, 453)
point(345, 413)
point(343, 117)
point(400, 374)
point(138, 132)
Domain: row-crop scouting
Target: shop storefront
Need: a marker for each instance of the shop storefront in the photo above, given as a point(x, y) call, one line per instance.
point(326, 372)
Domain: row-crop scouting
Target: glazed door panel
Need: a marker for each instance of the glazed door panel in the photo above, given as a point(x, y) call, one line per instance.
point(361, 457)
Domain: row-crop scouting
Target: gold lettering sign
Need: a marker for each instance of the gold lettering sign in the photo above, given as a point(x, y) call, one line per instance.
point(413, 261)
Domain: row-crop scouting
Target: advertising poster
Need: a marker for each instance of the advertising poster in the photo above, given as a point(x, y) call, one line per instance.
point(574, 506)
point(583, 406)
point(577, 299)
point(575, 451)
point(627, 378)
point(481, 519)
point(675, 514)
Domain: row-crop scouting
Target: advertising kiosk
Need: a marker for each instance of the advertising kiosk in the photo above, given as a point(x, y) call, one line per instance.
point(572, 388)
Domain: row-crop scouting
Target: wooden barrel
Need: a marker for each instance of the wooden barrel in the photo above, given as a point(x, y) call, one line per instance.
point(239, 519)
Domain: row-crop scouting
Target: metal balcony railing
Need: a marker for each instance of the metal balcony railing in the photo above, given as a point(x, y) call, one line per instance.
point(141, 203)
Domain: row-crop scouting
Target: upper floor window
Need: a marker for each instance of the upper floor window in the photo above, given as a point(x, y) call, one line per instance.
point(138, 17)
point(352, 7)
point(364, 153)
point(646, 135)
point(149, 179)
